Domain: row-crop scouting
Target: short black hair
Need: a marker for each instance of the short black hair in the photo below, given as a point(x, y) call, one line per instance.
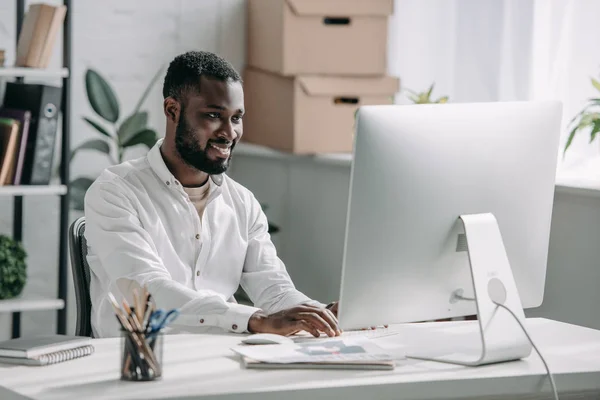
point(185, 71)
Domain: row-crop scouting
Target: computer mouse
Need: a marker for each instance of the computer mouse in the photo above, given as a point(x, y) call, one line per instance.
point(267, 338)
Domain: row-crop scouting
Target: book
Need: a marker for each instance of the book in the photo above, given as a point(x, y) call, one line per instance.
point(51, 358)
point(41, 345)
point(9, 136)
point(38, 35)
point(340, 353)
point(24, 118)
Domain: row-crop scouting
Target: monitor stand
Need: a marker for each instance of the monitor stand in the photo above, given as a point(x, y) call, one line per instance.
point(502, 339)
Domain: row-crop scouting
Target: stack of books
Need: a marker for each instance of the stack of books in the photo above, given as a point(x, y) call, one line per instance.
point(44, 350)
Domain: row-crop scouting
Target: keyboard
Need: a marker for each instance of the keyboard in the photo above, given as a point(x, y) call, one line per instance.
point(369, 334)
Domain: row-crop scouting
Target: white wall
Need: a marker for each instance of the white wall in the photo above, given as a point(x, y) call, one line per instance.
point(127, 42)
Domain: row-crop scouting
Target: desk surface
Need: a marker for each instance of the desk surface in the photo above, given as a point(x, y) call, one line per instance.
point(203, 366)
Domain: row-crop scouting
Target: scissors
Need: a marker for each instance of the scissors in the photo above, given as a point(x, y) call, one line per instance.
point(159, 319)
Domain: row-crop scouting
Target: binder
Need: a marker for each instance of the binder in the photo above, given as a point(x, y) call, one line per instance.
point(43, 101)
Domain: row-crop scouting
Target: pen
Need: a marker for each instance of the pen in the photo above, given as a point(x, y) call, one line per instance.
point(135, 334)
point(146, 319)
point(140, 332)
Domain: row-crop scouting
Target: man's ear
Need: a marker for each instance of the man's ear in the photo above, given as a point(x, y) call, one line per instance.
point(171, 109)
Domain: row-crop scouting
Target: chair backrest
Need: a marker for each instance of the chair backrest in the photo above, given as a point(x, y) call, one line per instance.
point(81, 277)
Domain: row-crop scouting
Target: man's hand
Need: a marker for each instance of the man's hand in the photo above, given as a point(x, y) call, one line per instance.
point(333, 307)
point(300, 318)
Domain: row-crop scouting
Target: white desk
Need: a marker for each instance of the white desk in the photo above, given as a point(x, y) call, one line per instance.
point(202, 366)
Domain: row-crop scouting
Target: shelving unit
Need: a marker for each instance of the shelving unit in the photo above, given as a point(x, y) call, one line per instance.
point(34, 73)
point(27, 303)
point(33, 190)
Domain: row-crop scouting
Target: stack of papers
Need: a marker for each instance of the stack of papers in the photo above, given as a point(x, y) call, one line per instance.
point(348, 353)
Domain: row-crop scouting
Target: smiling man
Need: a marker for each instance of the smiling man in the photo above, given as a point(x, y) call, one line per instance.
point(174, 222)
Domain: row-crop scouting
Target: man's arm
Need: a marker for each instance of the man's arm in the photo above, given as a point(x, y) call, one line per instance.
point(127, 252)
point(265, 278)
point(270, 287)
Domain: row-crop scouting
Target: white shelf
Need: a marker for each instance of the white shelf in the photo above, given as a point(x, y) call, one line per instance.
point(254, 150)
point(34, 72)
point(32, 190)
point(30, 302)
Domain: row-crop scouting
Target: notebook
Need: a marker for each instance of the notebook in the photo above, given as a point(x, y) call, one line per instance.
point(44, 350)
point(24, 118)
point(9, 136)
point(368, 365)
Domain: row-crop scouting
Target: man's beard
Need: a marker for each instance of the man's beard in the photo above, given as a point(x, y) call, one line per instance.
point(192, 154)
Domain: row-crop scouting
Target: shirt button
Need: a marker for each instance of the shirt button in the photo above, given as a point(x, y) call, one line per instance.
point(177, 182)
point(202, 320)
point(168, 183)
point(197, 273)
point(234, 327)
point(197, 236)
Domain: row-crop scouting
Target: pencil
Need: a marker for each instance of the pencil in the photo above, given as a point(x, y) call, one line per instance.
point(136, 337)
point(144, 344)
point(137, 303)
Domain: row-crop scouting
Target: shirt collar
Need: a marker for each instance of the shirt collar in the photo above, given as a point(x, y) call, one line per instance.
point(159, 167)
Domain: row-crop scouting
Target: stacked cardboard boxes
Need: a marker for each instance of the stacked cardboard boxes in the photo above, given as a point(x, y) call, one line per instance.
point(311, 64)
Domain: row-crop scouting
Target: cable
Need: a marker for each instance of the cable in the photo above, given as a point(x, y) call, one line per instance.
point(459, 296)
point(552, 383)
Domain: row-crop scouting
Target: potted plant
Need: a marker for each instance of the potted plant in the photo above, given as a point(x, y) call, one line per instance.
point(425, 97)
point(588, 119)
point(13, 269)
point(116, 133)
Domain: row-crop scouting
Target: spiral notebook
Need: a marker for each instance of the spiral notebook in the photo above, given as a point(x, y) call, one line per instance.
point(44, 350)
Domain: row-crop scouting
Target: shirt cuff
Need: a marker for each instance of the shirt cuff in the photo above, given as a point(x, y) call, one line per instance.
point(315, 303)
point(236, 318)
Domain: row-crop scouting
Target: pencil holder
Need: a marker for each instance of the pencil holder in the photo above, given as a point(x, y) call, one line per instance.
point(141, 356)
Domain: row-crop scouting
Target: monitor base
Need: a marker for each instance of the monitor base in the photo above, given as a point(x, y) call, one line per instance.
point(501, 336)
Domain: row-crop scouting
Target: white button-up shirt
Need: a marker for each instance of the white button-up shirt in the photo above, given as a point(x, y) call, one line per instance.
point(142, 229)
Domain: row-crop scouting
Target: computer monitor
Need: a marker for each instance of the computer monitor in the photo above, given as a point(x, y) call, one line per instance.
point(416, 170)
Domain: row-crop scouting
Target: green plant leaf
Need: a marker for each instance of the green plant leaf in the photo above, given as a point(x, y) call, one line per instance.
point(98, 127)
point(94, 144)
point(78, 188)
point(570, 139)
point(443, 100)
point(101, 96)
point(148, 88)
point(13, 267)
point(132, 125)
point(596, 84)
point(272, 228)
point(588, 119)
point(147, 137)
point(592, 103)
point(595, 130)
point(579, 114)
point(430, 90)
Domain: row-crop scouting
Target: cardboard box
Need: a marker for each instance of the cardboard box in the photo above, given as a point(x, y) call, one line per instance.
point(337, 37)
point(308, 114)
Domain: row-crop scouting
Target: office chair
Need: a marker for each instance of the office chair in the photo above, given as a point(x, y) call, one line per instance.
point(81, 277)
